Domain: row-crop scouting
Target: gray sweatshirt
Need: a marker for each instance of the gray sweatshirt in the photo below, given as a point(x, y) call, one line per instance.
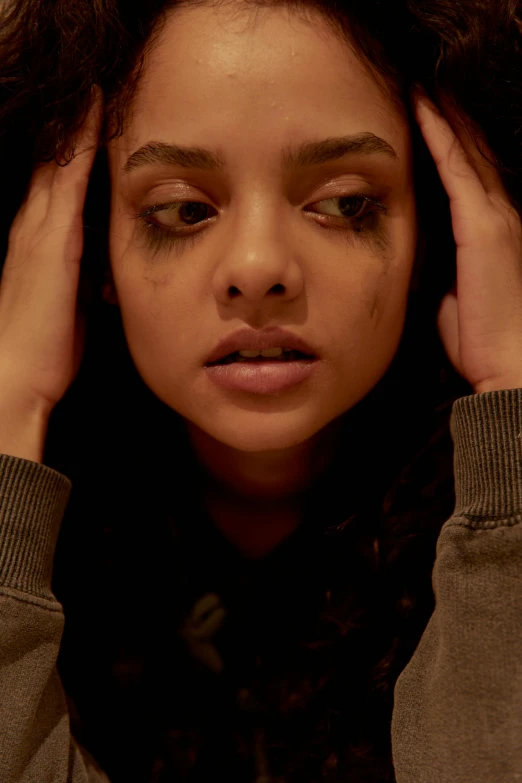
point(457, 715)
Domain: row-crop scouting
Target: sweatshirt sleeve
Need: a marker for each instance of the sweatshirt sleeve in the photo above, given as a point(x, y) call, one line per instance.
point(36, 745)
point(457, 714)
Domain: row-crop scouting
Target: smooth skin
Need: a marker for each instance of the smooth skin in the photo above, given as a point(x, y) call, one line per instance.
point(248, 87)
point(211, 83)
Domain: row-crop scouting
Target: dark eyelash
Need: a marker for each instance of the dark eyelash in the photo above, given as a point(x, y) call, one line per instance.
point(359, 221)
point(158, 237)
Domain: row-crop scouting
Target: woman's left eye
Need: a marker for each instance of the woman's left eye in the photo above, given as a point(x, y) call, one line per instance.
point(355, 207)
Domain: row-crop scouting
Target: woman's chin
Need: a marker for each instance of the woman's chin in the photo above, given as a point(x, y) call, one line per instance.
point(262, 438)
point(251, 432)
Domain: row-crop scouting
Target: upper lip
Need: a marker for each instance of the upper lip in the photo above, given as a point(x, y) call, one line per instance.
point(245, 339)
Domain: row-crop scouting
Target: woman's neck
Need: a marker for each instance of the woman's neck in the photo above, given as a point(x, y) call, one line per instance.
point(257, 500)
point(254, 529)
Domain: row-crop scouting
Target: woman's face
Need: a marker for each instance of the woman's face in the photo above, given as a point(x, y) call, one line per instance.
point(268, 245)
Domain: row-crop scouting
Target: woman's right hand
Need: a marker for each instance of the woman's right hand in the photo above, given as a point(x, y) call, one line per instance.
point(42, 330)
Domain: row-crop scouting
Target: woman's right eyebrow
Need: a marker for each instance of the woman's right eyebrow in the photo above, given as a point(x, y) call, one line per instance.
point(309, 153)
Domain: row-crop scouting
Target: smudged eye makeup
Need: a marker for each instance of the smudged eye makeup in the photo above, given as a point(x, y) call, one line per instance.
point(184, 222)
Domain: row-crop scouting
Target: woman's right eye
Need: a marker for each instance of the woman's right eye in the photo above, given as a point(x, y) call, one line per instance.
point(188, 212)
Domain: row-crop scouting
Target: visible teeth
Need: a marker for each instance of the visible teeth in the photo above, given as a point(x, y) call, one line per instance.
point(268, 352)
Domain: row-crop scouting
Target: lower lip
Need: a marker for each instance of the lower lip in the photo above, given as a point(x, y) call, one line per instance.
point(262, 377)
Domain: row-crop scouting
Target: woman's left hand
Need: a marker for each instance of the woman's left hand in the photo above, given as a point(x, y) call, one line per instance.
point(479, 321)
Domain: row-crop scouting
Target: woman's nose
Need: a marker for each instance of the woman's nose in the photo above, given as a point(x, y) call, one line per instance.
point(259, 260)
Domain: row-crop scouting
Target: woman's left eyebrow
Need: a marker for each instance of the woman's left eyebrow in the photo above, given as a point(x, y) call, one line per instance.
point(309, 153)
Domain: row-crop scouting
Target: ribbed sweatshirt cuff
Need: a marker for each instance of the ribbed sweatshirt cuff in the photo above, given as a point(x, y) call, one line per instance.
point(487, 460)
point(33, 499)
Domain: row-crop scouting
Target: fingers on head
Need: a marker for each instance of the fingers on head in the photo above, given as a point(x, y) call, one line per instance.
point(55, 187)
point(70, 180)
point(88, 137)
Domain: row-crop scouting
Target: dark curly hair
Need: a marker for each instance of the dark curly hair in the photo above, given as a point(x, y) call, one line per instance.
point(361, 607)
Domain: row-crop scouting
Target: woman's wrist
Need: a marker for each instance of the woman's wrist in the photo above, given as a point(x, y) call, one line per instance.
point(23, 428)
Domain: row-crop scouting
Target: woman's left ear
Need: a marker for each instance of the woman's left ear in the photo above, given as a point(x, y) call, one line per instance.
point(109, 293)
point(417, 264)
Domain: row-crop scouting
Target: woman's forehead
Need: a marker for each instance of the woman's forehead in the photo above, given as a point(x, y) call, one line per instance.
point(204, 55)
point(212, 82)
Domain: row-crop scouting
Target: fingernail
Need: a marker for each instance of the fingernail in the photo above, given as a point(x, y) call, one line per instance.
point(425, 102)
point(420, 98)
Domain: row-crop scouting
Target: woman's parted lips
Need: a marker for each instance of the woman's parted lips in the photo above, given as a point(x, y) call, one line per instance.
point(251, 339)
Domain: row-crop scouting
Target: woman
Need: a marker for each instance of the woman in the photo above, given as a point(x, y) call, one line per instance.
point(245, 563)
